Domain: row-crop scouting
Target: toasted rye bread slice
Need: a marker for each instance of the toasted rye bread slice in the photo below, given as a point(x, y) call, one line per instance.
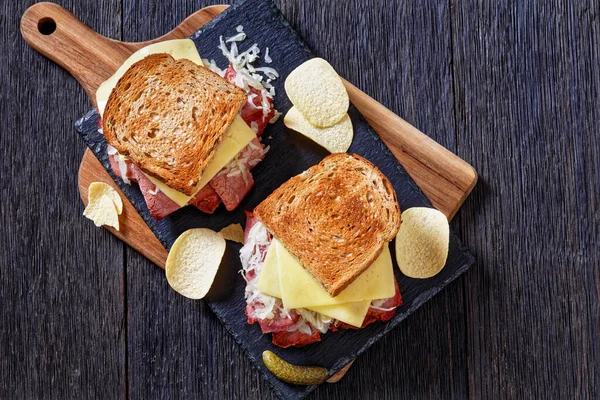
point(334, 218)
point(169, 116)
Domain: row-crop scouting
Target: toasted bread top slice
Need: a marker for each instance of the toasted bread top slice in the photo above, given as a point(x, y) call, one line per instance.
point(169, 116)
point(334, 218)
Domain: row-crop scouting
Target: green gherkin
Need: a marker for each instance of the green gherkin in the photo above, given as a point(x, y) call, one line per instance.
point(293, 374)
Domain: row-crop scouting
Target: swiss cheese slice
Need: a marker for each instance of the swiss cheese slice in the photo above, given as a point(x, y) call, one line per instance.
point(268, 282)
point(300, 289)
point(351, 313)
point(236, 138)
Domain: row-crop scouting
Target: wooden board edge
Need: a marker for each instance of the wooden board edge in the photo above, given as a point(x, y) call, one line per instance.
point(130, 233)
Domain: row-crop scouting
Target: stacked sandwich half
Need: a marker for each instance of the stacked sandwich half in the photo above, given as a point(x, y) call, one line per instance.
point(182, 132)
point(316, 254)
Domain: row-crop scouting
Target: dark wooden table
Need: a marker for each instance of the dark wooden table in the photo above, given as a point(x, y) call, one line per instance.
point(513, 87)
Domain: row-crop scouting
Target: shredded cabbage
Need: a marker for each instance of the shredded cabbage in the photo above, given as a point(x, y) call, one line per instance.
point(246, 73)
point(376, 305)
point(236, 38)
point(252, 258)
point(252, 255)
point(212, 65)
point(268, 59)
point(319, 321)
point(123, 169)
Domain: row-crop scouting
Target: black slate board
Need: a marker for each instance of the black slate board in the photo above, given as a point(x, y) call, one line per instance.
point(290, 154)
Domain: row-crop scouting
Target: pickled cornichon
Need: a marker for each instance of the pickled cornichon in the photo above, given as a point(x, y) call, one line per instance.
point(291, 373)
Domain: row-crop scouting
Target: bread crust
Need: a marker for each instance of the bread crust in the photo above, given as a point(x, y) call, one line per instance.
point(334, 218)
point(169, 116)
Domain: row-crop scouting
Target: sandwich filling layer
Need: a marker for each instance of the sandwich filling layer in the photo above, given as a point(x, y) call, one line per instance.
point(298, 326)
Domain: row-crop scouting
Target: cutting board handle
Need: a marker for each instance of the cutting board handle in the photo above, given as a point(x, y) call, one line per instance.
point(90, 57)
point(56, 33)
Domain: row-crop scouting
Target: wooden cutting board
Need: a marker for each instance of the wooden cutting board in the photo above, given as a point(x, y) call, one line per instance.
point(91, 58)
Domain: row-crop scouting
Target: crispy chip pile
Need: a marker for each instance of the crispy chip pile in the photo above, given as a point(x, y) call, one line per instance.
point(320, 105)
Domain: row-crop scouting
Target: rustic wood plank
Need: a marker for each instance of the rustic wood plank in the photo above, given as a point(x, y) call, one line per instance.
point(526, 97)
point(62, 302)
point(527, 83)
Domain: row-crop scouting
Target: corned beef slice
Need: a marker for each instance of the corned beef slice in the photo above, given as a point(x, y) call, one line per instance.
point(279, 323)
point(158, 204)
point(253, 112)
point(377, 315)
point(296, 338)
point(233, 184)
point(249, 311)
point(232, 189)
point(206, 200)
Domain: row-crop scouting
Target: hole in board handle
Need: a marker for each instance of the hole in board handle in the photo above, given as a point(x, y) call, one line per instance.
point(46, 26)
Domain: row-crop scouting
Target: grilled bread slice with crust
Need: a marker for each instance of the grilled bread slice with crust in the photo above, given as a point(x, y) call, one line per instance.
point(169, 116)
point(334, 218)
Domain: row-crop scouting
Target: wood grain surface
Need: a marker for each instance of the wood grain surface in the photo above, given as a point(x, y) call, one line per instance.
point(512, 87)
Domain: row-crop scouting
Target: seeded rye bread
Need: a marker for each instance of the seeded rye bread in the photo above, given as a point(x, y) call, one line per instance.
point(334, 218)
point(169, 116)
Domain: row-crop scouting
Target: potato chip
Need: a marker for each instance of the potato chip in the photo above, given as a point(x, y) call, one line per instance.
point(193, 262)
point(233, 232)
point(99, 189)
point(102, 211)
point(422, 242)
point(318, 92)
point(336, 138)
